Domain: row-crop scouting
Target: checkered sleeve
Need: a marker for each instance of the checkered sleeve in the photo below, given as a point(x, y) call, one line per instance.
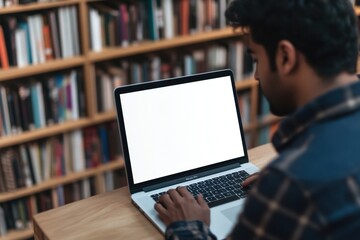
point(189, 230)
point(276, 208)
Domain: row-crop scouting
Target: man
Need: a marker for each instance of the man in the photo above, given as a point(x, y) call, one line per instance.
point(306, 53)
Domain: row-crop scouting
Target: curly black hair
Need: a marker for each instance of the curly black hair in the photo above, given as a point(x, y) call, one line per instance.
point(325, 31)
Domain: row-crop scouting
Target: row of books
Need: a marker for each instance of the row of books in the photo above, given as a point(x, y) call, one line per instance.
point(266, 131)
point(244, 101)
point(168, 64)
point(17, 214)
point(119, 24)
point(36, 103)
point(30, 164)
point(37, 38)
point(9, 3)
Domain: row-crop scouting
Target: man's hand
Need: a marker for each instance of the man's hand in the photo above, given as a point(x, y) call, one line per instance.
point(178, 204)
point(250, 180)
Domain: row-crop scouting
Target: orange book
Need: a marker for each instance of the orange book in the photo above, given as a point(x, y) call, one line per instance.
point(3, 53)
point(47, 42)
point(184, 16)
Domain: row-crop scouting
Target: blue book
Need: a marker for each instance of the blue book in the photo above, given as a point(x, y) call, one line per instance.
point(153, 26)
point(35, 105)
point(61, 97)
point(25, 27)
point(104, 144)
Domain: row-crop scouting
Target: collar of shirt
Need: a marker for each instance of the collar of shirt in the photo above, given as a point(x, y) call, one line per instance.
point(333, 103)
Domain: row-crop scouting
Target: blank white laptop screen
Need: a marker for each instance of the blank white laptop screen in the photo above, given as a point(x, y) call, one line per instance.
point(181, 127)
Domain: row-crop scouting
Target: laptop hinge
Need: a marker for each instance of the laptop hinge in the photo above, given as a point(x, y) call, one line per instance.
point(190, 177)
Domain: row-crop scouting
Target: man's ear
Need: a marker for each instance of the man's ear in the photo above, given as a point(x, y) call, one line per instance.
point(286, 57)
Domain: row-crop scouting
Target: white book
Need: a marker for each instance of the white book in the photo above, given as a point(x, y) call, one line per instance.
point(74, 30)
point(95, 30)
point(168, 14)
point(86, 192)
point(63, 34)
point(68, 28)
point(35, 161)
point(222, 8)
point(78, 155)
point(109, 181)
point(26, 168)
point(106, 88)
point(33, 46)
point(39, 36)
point(74, 95)
point(21, 48)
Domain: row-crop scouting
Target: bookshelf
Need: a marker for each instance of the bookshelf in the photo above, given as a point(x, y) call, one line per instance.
point(86, 61)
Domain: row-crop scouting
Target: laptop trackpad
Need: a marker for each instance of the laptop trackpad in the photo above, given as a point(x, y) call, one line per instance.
point(232, 213)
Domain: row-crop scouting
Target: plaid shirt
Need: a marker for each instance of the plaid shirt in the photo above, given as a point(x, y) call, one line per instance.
point(312, 190)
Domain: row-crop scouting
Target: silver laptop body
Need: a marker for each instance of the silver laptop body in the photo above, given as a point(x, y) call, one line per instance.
point(180, 131)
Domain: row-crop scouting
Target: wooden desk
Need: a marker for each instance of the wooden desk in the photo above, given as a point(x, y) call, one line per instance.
point(110, 215)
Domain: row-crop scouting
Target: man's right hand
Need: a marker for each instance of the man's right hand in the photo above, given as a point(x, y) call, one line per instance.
point(250, 180)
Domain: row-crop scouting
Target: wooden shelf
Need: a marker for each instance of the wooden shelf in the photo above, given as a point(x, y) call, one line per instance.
point(18, 234)
point(36, 6)
point(55, 129)
point(245, 84)
point(152, 46)
point(43, 132)
point(16, 72)
point(73, 177)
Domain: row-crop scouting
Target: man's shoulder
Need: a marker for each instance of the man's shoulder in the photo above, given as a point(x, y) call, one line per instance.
point(318, 161)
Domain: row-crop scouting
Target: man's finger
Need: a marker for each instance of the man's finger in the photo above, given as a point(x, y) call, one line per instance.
point(165, 200)
point(251, 179)
point(200, 199)
point(184, 192)
point(160, 209)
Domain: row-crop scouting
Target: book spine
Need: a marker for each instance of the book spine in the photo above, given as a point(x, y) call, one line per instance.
point(3, 52)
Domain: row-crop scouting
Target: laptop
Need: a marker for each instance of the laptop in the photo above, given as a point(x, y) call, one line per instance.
point(185, 131)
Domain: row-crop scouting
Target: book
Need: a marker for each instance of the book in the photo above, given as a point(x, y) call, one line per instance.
point(152, 19)
point(92, 147)
point(104, 144)
point(8, 171)
point(55, 34)
point(26, 109)
point(25, 163)
point(3, 52)
point(25, 42)
point(34, 152)
point(9, 27)
point(5, 111)
point(95, 33)
point(167, 9)
point(74, 31)
point(3, 229)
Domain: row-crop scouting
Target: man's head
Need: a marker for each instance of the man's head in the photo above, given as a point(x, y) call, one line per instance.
point(290, 34)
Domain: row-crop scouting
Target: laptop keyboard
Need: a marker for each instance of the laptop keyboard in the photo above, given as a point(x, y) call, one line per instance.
point(218, 190)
